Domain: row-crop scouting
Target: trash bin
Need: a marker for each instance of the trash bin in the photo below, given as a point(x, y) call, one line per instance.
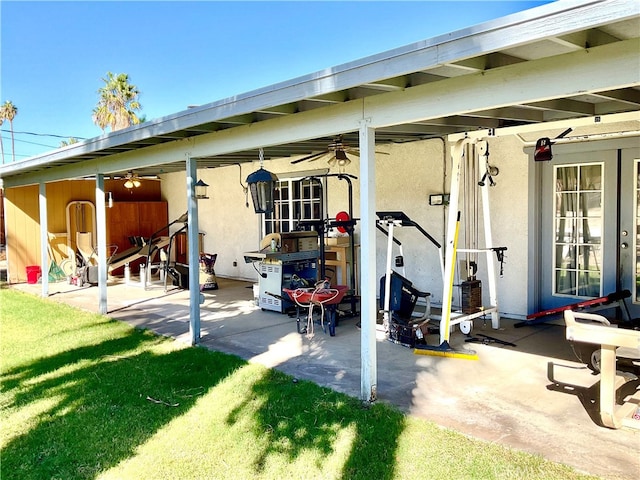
point(33, 274)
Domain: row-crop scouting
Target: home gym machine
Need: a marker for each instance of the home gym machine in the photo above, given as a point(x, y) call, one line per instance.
point(398, 296)
point(465, 174)
point(344, 223)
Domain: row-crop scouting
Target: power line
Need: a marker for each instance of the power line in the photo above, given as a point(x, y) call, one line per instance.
point(43, 134)
point(8, 156)
point(34, 143)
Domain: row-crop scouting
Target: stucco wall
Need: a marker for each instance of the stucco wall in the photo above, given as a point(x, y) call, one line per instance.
point(404, 180)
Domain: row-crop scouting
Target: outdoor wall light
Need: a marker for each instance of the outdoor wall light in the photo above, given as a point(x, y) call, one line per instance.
point(261, 184)
point(201, 190)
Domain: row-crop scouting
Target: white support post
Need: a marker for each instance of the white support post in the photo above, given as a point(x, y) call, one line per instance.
point(101, 233)
point(44, 239)
point(368, 310)
point(193, 260)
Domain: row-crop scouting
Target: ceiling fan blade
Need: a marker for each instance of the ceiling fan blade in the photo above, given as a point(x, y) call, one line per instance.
point(353, 151)
point(356, 152)
point(320, 156)
point(308, 157)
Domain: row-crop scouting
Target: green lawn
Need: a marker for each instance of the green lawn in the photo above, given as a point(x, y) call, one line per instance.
point(87, 397)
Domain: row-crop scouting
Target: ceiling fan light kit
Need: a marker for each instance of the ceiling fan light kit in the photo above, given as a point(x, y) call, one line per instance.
point(340, 158)
point(337, 154)
point(132, 180)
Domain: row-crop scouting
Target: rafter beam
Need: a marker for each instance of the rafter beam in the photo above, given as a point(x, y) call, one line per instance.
point(389, 84)
point(564, 105)
point(628, 96)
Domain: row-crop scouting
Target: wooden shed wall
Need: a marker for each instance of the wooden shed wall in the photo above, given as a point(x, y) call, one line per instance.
point(22, 217)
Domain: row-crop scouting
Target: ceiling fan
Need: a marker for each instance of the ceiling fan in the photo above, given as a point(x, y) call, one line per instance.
point(132, 180)
point(337, 152)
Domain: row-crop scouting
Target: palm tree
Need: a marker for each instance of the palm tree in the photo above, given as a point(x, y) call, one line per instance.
point(9, 112)
point(69, 141)
point(1, 139)
point(118, 103)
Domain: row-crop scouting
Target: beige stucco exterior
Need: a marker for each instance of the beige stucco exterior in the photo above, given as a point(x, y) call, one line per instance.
point(404, 180)
point(405, 177)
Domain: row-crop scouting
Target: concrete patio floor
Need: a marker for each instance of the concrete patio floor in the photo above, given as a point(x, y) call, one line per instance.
point(505, 397)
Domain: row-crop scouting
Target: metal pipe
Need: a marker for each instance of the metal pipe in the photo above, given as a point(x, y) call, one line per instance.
point(584, 138)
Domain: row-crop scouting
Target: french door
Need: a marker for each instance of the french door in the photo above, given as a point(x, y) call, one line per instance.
point(590, 209)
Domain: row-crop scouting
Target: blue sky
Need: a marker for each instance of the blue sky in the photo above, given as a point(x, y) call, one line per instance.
point(54, 54)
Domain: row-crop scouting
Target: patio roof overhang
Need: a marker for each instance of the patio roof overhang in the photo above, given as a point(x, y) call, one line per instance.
point(561, 61)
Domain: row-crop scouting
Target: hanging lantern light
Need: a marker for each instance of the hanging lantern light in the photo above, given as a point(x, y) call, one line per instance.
point(261, 184)
point(201, 190)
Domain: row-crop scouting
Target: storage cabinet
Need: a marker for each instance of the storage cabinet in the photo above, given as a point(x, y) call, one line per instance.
point(130, 219)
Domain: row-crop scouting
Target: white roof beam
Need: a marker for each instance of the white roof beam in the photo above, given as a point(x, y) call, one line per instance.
point(600, 69)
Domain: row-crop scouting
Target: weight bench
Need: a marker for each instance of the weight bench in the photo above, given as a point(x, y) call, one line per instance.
point(596, 329)
point(612, 300)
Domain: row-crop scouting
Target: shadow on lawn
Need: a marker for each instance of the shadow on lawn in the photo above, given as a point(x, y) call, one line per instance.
point(298, 416)
point(99, 403)
point(106, 400)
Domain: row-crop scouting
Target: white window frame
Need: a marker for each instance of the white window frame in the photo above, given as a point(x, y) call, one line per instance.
point(554, 267)
point(291, 221)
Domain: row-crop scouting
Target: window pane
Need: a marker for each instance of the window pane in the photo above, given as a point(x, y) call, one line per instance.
point(591, 204)
point(589, 284)
point(566, 230)
point(590, 258)
point(565, 281)
point(306, 190)
point(589, 230)
point(284, 191)
point(590, 177)
point(566, 205)
point(565, 256)
point(566, 179)
point(284, 211)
